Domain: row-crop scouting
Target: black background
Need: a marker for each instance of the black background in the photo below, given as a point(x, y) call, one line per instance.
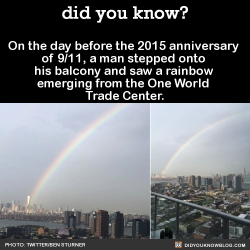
point(204, 23)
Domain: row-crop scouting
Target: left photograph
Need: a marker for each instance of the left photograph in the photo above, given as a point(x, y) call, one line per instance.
point(74, 171)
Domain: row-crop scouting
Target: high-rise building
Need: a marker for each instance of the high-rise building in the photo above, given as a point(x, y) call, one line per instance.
point(180, 179)
point(66, 216)
point(72, 221)
point(28, 200)
point(91, 215)
point(197, 181)
point(93, 225)
point(225, 180)
point(208, 181)
point(102, 223)
point(117, 225)
point(17, 208)
point(217, 184)
point(192, 180)
point(85, 218)
point(78, 217)
point(247, 178)
point(140, 227)
point(13, 205)
point(237, 182)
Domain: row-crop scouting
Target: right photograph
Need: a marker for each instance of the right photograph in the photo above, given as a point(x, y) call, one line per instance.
point(200, 171)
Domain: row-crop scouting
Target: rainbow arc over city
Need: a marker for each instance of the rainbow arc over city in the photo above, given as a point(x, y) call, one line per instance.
point(66, 152)
point(201, 132)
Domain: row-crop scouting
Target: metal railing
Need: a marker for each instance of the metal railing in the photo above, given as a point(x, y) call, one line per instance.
point(225, 217)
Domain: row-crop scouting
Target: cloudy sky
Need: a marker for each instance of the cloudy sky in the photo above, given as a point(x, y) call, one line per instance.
point(108, 170)
point(220, 144)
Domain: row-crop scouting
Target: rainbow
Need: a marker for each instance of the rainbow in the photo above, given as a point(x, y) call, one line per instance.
point(198, 134)
point(65, 153)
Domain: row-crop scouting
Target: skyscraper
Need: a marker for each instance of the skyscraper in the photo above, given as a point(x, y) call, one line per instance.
point(93, 225)
point(13, 205)
point(197, 181)
point(237, 182)
point(28, 200)
point(192, 180)
point(117, 225)
point(78, 217)
point(102, 223)
point(225, 180)
point(72, 221)
point(208, 181)
point(140, 227)
point(247, 178)
point(66, 216)
point(86, 217)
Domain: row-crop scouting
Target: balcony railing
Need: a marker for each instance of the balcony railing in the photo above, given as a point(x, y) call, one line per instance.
point(172, 207)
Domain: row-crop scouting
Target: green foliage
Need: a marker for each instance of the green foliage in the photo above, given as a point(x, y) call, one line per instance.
point(162, 234)
point(197, 215)
point(236, 213)
point(170, 234)
point(167, 229)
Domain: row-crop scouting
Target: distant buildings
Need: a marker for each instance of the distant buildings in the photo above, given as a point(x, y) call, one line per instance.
point(237, 182)
point(72, 221)
point(117, 225)
point(192, 180)
point(66, 216)
point(102, 223)
point(208, 181)
point(247, 178)
point(197, 181)
point(78, 217)
point(28, 201)
point(85, 218)
point(93, 225)
point(140, 228)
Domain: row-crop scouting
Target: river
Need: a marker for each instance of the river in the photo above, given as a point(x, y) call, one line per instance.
point(157, 181)
point(51, 225)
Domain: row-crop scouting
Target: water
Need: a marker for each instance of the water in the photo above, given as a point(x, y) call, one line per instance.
point(50, 225)
point(155, 181)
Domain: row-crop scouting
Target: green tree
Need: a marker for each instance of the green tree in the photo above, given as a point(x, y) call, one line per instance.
point(167, 229)
point(236, 213)
point(162, 234)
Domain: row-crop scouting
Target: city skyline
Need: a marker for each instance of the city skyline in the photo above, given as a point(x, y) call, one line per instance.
point(197, 173)
point(101, 172)
point(200, 138)
point(8, 206)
